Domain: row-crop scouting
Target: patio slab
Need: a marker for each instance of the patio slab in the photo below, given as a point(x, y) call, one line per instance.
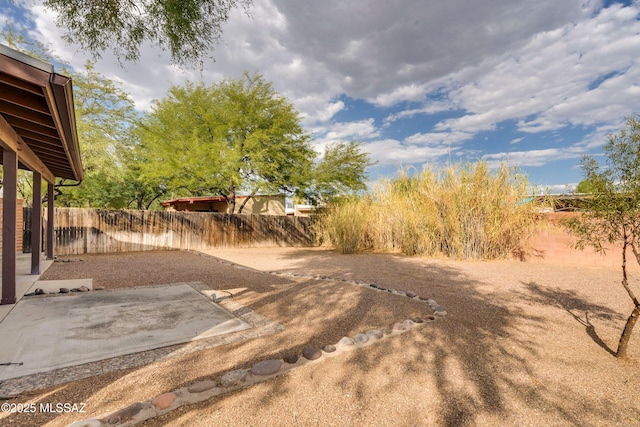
point(52, 332)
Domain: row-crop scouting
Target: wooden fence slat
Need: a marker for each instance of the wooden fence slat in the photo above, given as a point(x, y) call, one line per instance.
point(80, 231)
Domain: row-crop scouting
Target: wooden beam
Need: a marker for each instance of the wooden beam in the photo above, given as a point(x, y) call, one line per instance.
point(50, 205)
point(36, 223)
point(11, 141)
point(9, 225)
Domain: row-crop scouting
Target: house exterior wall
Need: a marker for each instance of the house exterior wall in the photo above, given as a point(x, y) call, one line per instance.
point(19, 225)
point(257, 205)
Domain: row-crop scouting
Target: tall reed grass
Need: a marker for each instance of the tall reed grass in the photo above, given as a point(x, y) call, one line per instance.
point(463, 211)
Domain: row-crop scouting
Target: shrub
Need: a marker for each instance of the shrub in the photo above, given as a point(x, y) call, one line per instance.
point(462, 211)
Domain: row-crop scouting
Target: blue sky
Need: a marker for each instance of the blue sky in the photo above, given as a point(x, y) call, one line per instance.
point(535, 84)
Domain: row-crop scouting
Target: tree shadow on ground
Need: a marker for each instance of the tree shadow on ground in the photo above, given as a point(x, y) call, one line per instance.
point(479, 360)
point(571, 302)
point(472, 367)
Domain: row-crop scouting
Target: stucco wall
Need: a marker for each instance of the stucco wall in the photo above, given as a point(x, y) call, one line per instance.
point(554, 244)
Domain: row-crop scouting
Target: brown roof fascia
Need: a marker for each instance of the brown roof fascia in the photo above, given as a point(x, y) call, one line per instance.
point(63, 94)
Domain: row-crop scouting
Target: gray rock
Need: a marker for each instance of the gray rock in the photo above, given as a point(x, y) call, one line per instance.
point(375, 334)
point(418, 320)
point(125, 414)
point(411, 294)
point(201, 386)
point(232, 378)
point(424, 298)
point(329, 348)
point(266, 367)
point(83, 289)
point(399, 326)
point(311, 353)
point(39, 291)
point(345, 341)
point(64, 290)
point(429, 317)
point(361, 339)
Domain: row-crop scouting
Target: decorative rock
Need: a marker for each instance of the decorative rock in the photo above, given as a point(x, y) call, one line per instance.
point(410, 323)
point(125, 414)
point(266, 367)
point(424, 299)
point(345, 341)
point(39, 291)
point(411, 294)
point(87, 423)
point(75, 289)
point(329, 348)
point(29, 294)
point(361, 339)
point(432, 302)
point(232, 378)
point(401, 293)
point(290, 358)
point(440, 311)
point(392, 290)
point(418, 320)
point(429, 317)
point(202, 386)
point(311, 353)
point(83, 289)
point(381, 288)
point(164, 400)
point(64, 290)
point(373, 286)
point(375, 334)
point(399, 326)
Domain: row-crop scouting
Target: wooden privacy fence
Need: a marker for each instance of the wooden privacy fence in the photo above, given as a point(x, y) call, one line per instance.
point(86, 231)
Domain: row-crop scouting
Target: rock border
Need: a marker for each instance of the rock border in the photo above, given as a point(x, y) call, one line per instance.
point(241, 378)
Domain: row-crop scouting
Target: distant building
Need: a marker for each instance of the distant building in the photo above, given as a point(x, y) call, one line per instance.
point(258, 205)
point(301, 210)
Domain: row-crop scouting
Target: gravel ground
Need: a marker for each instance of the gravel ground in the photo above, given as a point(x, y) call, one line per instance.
point(522, 344)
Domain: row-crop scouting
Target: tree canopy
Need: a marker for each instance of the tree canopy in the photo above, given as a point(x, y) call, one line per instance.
point(613, 213)
point(104, 114)
point(240, 135)
point(189, 29)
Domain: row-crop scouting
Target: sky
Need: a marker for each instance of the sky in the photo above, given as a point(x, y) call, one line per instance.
point(536, 84)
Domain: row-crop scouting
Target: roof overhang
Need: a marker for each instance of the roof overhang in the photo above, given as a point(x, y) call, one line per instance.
point(37, 116)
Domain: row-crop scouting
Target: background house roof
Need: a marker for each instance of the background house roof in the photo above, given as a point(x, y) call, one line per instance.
point(37, 105)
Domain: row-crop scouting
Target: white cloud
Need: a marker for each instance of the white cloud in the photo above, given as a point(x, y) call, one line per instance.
point(539, 64)
point(394, 152)
point(546, 84)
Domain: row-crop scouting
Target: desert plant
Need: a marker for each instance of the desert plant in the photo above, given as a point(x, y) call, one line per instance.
point(613, 213)
point(462, 211)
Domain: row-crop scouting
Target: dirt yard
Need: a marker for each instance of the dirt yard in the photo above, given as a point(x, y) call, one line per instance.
point(523, 343)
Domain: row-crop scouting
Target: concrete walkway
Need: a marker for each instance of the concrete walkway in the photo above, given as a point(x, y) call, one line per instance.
point(25, 281)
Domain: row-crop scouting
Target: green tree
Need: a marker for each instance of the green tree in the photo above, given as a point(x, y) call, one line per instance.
point(240, 135)
point(613, 213)
point(237, 135)
point(104, 114)
point(341, 171)
point(187, 28)
point(585, 187)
